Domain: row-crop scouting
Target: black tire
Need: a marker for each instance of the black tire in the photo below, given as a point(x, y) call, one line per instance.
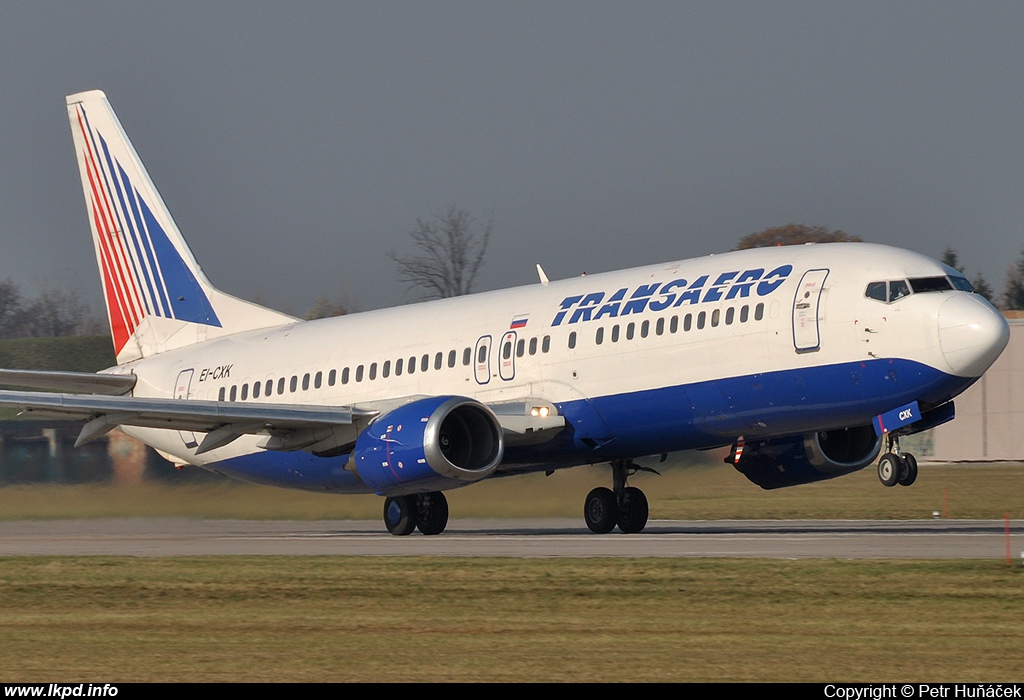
point(908, 473)
point(601, 511)
point(433, 513)
point(888, 469)
point(400, 514)
point(633, 511)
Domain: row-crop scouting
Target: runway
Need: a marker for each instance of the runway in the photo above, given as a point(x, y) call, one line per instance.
point(863, 539)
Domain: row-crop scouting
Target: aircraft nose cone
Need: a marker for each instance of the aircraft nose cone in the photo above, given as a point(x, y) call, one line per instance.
point(971, 334)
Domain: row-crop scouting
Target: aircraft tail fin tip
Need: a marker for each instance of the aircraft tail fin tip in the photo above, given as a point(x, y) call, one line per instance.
point(152, 285)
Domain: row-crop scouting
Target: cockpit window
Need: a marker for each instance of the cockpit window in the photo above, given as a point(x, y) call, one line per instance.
point(898, 289)
point(930, 284)
point(876, 290)
point(961, 283)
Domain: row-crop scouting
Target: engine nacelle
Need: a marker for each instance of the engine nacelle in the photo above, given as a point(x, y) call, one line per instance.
point(429, 445)
point(802, 459)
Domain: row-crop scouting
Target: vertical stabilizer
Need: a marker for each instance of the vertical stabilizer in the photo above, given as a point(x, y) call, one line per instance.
point(157, 296)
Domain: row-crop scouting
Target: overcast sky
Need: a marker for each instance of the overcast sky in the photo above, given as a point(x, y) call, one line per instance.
point(297, 143)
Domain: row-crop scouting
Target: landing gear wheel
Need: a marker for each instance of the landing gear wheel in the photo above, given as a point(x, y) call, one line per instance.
point(400, 514)
point(633, 511)
point(908, 471)
point(433, 513)
point(601, 511)
point(889, 469)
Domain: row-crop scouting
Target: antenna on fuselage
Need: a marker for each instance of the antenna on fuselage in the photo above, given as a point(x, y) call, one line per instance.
point(543, 277)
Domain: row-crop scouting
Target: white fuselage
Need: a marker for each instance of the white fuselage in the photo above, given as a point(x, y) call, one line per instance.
point(682, 355)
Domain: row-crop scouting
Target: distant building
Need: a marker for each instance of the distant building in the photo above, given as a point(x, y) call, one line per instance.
point(989, 425)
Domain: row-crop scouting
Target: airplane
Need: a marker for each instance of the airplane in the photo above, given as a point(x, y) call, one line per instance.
point(807, 362)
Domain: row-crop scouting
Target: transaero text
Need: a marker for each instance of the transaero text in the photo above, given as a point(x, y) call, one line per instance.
point(660, 296)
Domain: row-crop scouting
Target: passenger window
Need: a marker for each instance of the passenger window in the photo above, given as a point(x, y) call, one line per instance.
point(688, 322)
point(572, 340)
point(438, 360)
point(659, 328)
point(673, 325)
point(545, 346)
point(645, 329)
point(744, 313)
point(425, 362)
point(533, 346)
point(701, 319)
point(245, 392)
point(759, 312)
point(234, 392)
point(385, 370)
point(344, 376)
point(467, 355)
point(280, 385)
point(305, 382)
point(730, 315)
point(332, 377)
point(318, 380)
point(521, 347)
point(715, 316)
point(294, 384)
point(359, 373)
point(615, 333)
point(220, 394)
point(373, 371)
point(452, 356)
point(481, 355)
point(506, 350)
point(256, 386)
point(599, 336)
point(269, 388)
point(629, 331)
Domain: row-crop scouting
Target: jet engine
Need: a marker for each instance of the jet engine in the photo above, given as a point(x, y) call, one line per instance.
point(430, 444)
point(802, 459)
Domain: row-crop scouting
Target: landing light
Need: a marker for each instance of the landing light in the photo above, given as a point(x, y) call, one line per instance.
point(540, 411)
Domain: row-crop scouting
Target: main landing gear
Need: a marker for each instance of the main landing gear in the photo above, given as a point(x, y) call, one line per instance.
point(426, 511)
point(624, 506)
point(895, 466)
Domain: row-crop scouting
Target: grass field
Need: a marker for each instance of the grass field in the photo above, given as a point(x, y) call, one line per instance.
point(701, 491)
point(441, 619)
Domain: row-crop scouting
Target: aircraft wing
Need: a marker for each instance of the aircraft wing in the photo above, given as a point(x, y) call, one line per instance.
point(289, 426)
point(223, 421)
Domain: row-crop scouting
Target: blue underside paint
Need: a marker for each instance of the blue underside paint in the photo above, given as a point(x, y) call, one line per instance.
point(671, 419)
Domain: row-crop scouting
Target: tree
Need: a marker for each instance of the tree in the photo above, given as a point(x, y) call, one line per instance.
point(1013, 297)
point(450, 249)
point(949, 257)
point(982, 287)
point(326, 308)
point(10, 309)
point(793, 234)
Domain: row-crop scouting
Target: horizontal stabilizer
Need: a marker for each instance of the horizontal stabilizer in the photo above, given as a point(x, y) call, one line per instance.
point(72, 382)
